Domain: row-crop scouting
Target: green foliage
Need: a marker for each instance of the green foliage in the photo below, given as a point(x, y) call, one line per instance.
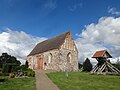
point(8, 68)
point(5, 68)
point(8, 63)
point(87, 66)
point(29, 73)
point(0, 64)
point(26, 63)
point(117, 65)
point(80, 65)
point(23, 67)
point(85, 81)
point(26, 71)
point(4, 74)
point(15, 69)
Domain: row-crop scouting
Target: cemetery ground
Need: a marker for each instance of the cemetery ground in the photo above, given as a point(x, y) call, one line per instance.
point(85, 81)
point(74, 81)
point(18, 83)
point(14, 76)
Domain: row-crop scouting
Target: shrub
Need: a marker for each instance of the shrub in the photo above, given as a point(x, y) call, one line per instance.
point(5, 68)
point(4, 74)
point(29, 73)
point(25, 73)
point(23, 67)
point(16, 68)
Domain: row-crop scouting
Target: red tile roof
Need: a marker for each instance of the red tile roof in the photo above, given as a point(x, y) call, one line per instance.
point(101, 54)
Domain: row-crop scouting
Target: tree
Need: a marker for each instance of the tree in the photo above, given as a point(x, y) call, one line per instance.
point(80, 65)
point(7, 62)
point(117, 66)
point(87, 66)
point(26, 64)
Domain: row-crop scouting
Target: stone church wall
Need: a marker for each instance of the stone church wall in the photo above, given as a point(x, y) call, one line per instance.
point(65, 65)
point(53, 63)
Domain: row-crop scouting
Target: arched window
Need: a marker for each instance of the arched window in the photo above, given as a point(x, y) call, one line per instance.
point(69, 57)
point(35, 59)
point(50, 58)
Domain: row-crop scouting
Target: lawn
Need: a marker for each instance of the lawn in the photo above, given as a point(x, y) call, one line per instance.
point(85, 81)
point(18, 84)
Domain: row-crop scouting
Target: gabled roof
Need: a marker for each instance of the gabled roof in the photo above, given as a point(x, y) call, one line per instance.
point(101, 54)
point(50, 44)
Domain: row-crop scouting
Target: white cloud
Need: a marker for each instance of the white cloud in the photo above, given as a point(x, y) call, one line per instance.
point(113, 11)
point(96, 36)
point(17, 43)
point(103, 35)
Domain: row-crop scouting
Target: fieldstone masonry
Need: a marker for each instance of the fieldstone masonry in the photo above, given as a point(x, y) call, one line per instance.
point(62, 58)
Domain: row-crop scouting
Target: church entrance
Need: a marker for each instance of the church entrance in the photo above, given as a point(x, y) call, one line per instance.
point(40, 62)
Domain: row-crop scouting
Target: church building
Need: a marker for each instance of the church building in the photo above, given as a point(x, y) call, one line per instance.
point(58, 53)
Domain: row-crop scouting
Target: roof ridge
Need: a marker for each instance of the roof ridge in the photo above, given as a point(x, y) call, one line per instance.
point(100, 53)
point(54, 37)
point(104, 51)
point(49, 44)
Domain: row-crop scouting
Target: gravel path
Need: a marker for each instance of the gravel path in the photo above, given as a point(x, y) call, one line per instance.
point(43, 82)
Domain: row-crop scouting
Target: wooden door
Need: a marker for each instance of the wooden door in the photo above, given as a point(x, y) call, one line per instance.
point(40, 62)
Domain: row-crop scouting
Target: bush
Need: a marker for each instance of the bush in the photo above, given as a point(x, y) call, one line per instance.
point(29, 73)
point(5, 68)
point(15, 68)
point(4, 74)
point(25, 73)
point(23, 67)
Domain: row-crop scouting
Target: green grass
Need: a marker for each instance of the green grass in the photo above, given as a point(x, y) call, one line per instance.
point(85, 81)
point(18, 84)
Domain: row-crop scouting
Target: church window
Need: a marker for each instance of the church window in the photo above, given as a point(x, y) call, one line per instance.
point(69, 57)
point(50, 58)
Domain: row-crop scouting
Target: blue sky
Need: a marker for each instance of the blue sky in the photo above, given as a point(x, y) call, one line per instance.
point(94, 24)
point(47, 18)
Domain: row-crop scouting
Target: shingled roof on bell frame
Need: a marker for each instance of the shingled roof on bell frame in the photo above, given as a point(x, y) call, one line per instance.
point(101, 54)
